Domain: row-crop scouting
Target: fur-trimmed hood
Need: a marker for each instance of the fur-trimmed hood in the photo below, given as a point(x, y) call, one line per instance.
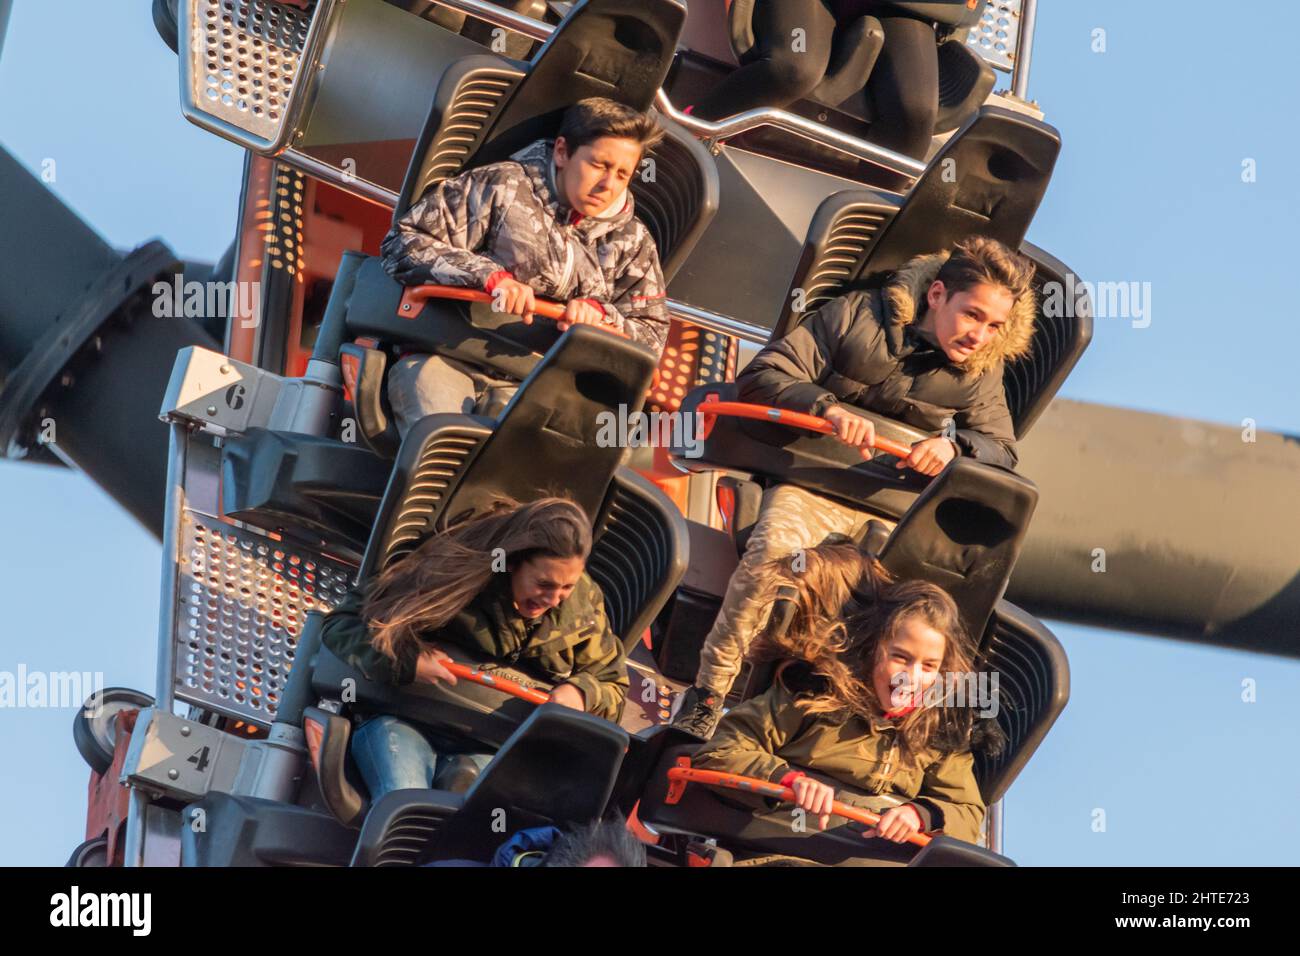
point(904, 296)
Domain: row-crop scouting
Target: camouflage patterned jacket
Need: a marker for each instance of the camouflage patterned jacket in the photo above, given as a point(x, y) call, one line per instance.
point(509, 216)
point(571, 644)
point(768, 736)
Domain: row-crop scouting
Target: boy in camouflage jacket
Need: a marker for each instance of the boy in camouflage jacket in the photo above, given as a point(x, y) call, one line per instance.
point(556, 220)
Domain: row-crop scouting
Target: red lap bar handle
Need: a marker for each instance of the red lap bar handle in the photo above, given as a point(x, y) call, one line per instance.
point(414, 297)
point(496, 682)
point(783, 416)
point(682, 774)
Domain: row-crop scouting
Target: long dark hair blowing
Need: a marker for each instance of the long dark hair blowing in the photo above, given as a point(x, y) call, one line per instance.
point(847, 608)
point(425, 589)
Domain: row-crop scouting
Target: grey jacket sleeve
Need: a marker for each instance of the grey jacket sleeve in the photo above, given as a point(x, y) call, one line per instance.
point(787, 373)
point(984, 430)
point(640, 306)
point(438, 239)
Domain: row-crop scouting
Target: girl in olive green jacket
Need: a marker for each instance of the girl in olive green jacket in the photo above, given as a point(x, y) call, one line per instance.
point(858, 705)
point(509, 586)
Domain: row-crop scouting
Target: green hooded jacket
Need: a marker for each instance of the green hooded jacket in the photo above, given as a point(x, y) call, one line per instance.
point(569, 644)
point(768, 736)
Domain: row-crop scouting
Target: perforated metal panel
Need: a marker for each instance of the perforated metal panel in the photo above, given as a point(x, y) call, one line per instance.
point(281, 223)
point(994, 37)
point(241, 603)
point(691, 357)
point(242, 61)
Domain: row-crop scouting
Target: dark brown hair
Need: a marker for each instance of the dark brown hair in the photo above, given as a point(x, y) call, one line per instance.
point(848, 607)
point(983, 260)
point(425, 589)
point(607, 838)
point(590, 119)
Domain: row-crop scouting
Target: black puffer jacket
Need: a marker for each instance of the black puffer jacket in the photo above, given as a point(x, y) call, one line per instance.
point(863, 349)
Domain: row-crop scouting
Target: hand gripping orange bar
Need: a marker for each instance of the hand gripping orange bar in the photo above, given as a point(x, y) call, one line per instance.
point(783, 416)
point(496, 682)
point(684, 773)
point(414, 297)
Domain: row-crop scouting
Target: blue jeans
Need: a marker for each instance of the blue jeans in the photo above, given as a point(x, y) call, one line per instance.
point(393, 755)
point(422, 384)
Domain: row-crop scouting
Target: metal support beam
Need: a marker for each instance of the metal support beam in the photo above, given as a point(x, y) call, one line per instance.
point(1024, 49)
point(84, 360)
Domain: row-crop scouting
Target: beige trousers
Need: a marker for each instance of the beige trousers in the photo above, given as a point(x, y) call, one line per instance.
point(789, 518)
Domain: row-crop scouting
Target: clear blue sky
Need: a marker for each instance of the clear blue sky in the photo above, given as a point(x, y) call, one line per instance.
point(1148, 189)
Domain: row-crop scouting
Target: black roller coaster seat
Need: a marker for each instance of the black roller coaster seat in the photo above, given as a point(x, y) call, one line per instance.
point(1032, 690)
point(558, 769)
point(548, 441)
point(987, 180)
point(485, 108)
point(964, 533)
point(854, 52)
point(965, 79)
point(451, 467)
point(1033, 687)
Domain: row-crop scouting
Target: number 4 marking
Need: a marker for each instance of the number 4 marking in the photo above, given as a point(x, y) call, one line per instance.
point(200, 759)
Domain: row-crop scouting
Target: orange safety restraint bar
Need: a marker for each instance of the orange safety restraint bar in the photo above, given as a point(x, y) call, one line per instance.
point(414, 297)
point(783, 416)
point(683, 773)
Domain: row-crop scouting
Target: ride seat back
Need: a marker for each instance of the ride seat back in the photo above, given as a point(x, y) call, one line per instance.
point(487, 107)
point(987, 180)
point(559, 768)
point(965, 82)
point(558, 436)
point(1033, 689)
point(964, 533)
point(560, 428)
point(855, 49)
point(1003, 162)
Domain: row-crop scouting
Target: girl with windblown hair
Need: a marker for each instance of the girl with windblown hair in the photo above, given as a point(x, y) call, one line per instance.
point(853, 706)
point(508, 586)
